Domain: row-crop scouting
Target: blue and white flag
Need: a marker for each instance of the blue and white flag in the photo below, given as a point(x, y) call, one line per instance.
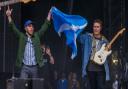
point(71, 25)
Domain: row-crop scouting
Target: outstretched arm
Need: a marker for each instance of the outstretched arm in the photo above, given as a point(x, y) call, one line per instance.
point(11, 23)
point(46, 25)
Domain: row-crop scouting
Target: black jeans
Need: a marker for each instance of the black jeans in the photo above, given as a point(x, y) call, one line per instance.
point(96, 79)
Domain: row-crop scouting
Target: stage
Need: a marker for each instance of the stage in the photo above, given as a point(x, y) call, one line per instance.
point(113, 13)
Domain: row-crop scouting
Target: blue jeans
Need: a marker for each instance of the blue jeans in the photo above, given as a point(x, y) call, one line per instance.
point(29, 71)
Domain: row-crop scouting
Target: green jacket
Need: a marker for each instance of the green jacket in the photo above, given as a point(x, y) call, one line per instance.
point(36, 42)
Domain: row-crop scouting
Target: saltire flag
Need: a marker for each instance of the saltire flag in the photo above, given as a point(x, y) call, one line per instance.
point(71, 25)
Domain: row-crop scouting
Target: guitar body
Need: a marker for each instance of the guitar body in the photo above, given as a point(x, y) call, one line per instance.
point(101, 55)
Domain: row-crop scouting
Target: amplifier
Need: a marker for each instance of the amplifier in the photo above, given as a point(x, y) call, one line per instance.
point(18, 83)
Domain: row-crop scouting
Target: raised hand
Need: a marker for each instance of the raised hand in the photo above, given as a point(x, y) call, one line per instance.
point(9, 12)
point(49, 15)
point(48, 51)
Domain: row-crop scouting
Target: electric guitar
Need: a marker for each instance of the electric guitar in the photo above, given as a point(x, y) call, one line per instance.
point(5, 3)
point(101, 55)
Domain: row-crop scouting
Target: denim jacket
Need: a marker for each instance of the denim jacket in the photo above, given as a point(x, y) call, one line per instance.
point(86, 42)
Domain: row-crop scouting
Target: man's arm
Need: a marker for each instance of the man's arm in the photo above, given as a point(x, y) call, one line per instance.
point(48, 51)
point(46, 25)
point(11, 23)
point(81, 38)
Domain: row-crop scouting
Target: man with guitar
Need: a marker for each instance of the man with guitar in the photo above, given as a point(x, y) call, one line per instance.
point(29, 52)
point(91, 43)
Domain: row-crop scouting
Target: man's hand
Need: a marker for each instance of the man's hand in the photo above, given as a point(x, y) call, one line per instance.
point(48, 51)
point(109, 47)
point(9, 13)
point(51, 60)
point(49, 15)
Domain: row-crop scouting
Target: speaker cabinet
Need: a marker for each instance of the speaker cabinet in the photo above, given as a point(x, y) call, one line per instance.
point(18, 83)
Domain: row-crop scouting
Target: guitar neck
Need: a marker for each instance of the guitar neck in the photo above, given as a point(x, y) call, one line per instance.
point(113, 40)
point(8, 2)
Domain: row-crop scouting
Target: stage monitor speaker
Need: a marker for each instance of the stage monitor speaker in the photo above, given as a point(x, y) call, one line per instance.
point(18, 83)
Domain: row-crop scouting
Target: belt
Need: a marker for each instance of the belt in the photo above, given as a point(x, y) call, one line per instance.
point(30, 65)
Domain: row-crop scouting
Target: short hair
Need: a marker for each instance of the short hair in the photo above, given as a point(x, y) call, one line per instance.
point(98, 21)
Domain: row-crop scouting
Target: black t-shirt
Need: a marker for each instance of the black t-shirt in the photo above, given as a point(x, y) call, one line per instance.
point(94, 67)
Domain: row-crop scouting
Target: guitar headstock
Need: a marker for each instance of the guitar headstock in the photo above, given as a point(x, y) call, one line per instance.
point(122, 30)
point(27, 1)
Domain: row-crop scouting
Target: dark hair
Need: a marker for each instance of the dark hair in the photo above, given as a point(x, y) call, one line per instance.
point(98, 21)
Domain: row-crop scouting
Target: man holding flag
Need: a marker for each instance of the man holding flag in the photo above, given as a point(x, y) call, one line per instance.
point(29, 56)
